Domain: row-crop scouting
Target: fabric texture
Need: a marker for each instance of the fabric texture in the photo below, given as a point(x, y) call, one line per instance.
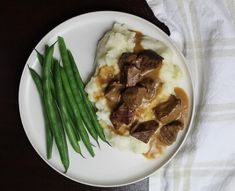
point(205, 33)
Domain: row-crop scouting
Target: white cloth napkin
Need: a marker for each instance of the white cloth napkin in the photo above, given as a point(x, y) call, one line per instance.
point(204, 30)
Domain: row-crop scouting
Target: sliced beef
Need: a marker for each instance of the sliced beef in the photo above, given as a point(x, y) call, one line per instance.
point(169, 110)
point(113, 92)
point(130, 75)
point(150, 85)
point(133, 96)
point(144, 130)
point(122, 115)
point(148, 60)
point(169, 132)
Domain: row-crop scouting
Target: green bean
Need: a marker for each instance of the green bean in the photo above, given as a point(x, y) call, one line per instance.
point(69, 109)
point(51, 107)
point(52, 86)
point(88, 104)
point(63, 110)
point(40, 57)
point(46, 47)
point(75, 90)
point(72, 118)
point(49, 136)
point(41, 60)
point(78, 119)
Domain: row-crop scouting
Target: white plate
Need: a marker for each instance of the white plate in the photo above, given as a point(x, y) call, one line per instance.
point(110, 167)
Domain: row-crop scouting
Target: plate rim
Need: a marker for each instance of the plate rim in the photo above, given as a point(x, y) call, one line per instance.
point(190, 121)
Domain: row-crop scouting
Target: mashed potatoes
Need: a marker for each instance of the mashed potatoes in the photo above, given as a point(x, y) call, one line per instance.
point(115, 42)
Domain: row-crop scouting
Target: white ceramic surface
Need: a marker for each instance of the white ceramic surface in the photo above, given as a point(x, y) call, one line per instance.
point(110, 167)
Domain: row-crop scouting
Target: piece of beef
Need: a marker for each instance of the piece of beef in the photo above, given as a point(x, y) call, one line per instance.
point(169, 110)
point(144, 130)
point(127, 58)
point(150, 85)
point(169, 132)
point(130, 75)
point(148, 60)
point(134, 66)
point(133, 96)
point(122, 115)
point(113, 92)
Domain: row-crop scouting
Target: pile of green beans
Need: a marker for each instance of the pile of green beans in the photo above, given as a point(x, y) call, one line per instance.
point(65, 104)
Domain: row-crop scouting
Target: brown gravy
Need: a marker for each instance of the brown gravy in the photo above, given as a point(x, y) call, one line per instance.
point(138, 38)
point(110, 105)
point(105, 74)
point(122, 130)
point(156, 147)
point(185, 103)
point(155, 73)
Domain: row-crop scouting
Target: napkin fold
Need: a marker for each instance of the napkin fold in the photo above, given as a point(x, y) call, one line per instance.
point(205, 33)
